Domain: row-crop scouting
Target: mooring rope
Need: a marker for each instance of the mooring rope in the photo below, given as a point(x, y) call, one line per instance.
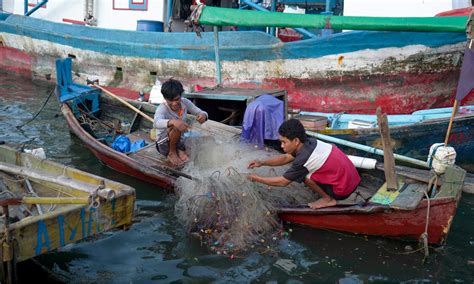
point(40, 110)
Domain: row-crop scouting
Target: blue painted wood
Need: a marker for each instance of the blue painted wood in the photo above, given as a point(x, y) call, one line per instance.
point(235, 46)
point(77, 93)
point(341, 120)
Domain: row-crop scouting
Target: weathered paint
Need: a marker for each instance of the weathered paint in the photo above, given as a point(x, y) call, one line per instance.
point(401, 72)
point(86, 223)
point(68, 223)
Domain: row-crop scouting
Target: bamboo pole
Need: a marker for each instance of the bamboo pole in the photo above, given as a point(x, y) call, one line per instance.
point(450, 125)
point(454, 112)
point(57, 200)
point(33, 174)
point(122, 101)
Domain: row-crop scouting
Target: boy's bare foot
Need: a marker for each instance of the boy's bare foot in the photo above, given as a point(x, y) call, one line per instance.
point(322, 202)
point(183, 156)
point(174, 159)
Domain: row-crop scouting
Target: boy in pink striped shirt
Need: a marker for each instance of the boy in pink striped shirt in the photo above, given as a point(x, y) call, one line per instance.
point(321, 166)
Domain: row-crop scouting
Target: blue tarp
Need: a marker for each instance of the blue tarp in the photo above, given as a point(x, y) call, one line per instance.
point(122, 144)
point(262, 119)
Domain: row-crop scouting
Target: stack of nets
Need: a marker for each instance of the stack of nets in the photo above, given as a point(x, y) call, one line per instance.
point(231, 213)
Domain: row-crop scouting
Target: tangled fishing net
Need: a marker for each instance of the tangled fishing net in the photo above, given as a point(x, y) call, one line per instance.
point(229, 212)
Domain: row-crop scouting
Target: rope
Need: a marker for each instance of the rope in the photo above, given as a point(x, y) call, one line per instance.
point(424, 236)
point(40, 110)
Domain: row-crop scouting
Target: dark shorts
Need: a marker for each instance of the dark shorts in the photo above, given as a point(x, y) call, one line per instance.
point(328, 189)
point(163, 144)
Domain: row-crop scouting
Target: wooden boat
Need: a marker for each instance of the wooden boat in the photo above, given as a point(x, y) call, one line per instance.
point(361, 70)
point(50, 205)
point(410, 215)
point(412, 134)
point(94, 120)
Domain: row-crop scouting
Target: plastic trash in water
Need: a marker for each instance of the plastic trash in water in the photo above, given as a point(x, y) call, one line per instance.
point(38, 152)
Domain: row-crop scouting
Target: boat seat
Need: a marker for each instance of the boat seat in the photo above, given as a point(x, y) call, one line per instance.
point(407, 197)
point(79, 94)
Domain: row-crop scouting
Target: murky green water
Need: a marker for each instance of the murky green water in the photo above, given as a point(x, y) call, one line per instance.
point(156, 249)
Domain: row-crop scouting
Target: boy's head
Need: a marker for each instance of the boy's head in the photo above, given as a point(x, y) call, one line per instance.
point(172, 91)
point(292, 135)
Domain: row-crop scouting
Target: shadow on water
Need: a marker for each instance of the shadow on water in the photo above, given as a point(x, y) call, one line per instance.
point(156, 249)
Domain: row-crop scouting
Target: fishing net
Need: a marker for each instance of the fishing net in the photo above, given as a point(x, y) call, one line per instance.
point(230, 213)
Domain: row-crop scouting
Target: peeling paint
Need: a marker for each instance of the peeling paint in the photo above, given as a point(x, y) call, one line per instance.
point(399, 79)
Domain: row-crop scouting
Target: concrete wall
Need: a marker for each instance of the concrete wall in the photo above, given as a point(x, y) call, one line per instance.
point(107, 17)
point(401, 8)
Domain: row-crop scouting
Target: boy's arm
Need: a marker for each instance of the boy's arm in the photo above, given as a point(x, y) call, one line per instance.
point(279, 160)
point(193, 109)
point(160, 119)
point(272, 181)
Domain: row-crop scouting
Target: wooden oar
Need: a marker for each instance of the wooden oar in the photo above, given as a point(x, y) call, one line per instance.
point(89, 82)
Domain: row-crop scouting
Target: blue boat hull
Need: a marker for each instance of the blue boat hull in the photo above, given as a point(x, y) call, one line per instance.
point(416, 139)
point(398, 71)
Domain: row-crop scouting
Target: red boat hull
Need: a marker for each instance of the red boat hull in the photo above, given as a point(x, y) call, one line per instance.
point(116, 160)
point(383, 221)
point(395, 93)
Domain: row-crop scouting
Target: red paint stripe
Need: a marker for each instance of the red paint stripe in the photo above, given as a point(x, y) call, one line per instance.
point(76, 22)
point(15, 61)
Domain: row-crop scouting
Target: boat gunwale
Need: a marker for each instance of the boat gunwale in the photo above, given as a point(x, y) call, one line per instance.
point(346, 210)
point(368, 131)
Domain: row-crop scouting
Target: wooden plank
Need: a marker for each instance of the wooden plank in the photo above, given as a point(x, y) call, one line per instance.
point(453, 180)
point(424, 176)
point(384, 195)
point(409, 197)
point(359, 197)
point(389, 161)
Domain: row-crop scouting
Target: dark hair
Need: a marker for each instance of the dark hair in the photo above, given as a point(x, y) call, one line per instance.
point(171, 89)
point(292, 129)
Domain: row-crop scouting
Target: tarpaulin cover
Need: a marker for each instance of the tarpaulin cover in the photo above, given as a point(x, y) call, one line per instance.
point(262, 119)
point(466, 79)
point(249, 18)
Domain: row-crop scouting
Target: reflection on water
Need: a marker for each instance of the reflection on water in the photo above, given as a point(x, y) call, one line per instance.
point(157, 249)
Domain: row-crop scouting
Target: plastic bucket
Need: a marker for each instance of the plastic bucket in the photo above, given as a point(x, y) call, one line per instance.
point(149, 26)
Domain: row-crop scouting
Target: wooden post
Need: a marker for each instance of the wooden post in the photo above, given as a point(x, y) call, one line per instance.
point(388, 159)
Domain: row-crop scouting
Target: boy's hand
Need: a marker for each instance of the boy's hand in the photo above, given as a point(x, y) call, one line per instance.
point(252, 177)
point(255, 164)
point(201, 118)
point(179, 124)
